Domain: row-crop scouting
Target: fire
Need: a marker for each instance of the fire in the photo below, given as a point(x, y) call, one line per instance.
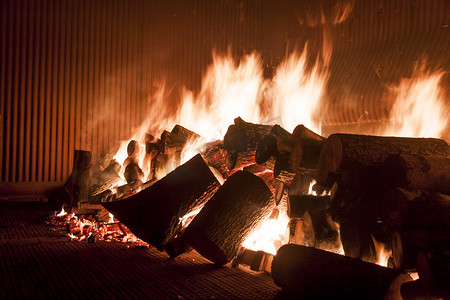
point(62, 212)
point(383, 254)
point(419, 108)
point(271, 234)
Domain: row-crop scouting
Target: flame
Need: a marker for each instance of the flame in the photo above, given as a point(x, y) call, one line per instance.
point(270, 234)
point(187, 218)
point(62, 213)
point(419, 109)
point(383, 254)
point(296, 92)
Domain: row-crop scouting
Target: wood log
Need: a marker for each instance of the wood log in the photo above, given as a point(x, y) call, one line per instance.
point(214, 156)
point(76, 187)
point(257, 260)
point(301, 132)
point(106, 180)
point(285, 140)
point(241, 141)
point(402, 208)
point(305, 154)
point(177, 246)
point(265, 149)
point(133, 175)
point(155, 214)
point(341, 151)
point(431, 173)
point(308, 273)
point(300, 184)
point(221, 227)
point(299, 204)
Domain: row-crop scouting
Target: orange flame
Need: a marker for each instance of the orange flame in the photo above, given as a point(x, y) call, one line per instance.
point(419, 109)
point(383, 254)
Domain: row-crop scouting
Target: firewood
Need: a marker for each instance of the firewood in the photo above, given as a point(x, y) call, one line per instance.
point(416, 209)
point(133, 149)
point(107, 179)
point(301, 132)
point(133, 174)
point(154, 214)
point(299, 204)
point(214, 156)
point(76, 187)
point(266, 148)
point(257, 260)
point(300, 184)
point(241, 141)
point(309, 273)
point(296, 235)
point(420, 172)
point(341, 151)
point(221, 227)
point(305, 154)
point(177, 246)
point(102, 197)
point(285, 140)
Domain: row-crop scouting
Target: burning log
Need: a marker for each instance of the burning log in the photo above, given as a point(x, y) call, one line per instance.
point(302, 132)
point(214, 156)
point(221, 227)
point(265, 149)
point(416, 209)
point(257, 260)
point(305, 154)
point(309, 273)
point(155, 214)
point(351, 151)
point(105, 180)
point(299, 204)
point(420, 172)
point(241, 141)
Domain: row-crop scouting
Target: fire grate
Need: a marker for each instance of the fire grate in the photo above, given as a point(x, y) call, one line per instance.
point(36, 263)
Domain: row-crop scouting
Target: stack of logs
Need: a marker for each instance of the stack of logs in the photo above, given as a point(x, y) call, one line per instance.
point(393, 190)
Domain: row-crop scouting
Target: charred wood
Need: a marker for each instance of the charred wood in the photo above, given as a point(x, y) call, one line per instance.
point(154, 214)
point(221, 227)
point(309, 273)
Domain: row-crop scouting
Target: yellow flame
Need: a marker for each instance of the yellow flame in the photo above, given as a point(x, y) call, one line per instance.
point(62, 213)
point(383, 254)
point(419, 109)
point(270, 234)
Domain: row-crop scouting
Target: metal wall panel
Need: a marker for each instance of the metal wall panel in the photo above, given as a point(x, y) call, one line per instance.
point(78, 74)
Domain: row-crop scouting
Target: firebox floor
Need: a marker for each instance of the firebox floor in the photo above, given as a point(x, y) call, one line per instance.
point(37, 262)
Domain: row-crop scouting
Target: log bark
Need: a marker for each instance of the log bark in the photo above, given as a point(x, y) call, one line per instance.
point(431, 173)
point(241, 141)
point(341, 151)
point(154, 214)
point(76, 187)
point(402, 208)
point(301, 132)
point(221, 227)
point(299, 204)
point(309, 273)
point(214, 156)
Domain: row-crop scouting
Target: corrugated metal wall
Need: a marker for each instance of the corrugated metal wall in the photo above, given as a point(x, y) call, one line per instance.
point(77, 74)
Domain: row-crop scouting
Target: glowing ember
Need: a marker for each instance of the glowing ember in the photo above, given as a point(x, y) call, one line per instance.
point(419, 108)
